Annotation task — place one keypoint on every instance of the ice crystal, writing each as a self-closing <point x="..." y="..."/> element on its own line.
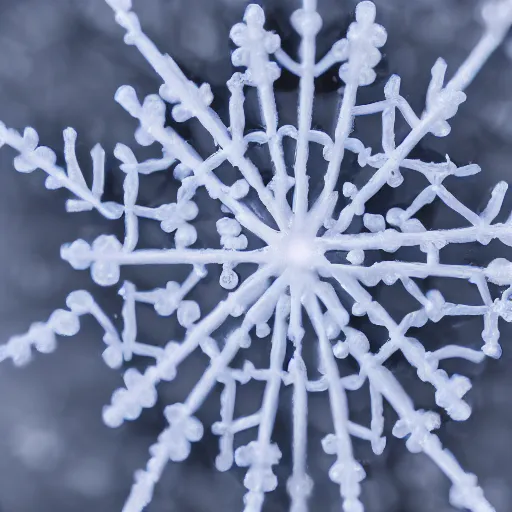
<point x="296" y="286"/>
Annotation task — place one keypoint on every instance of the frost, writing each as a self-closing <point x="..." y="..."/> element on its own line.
<point x="295" y="287"/>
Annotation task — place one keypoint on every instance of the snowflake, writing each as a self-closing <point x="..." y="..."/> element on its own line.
<point x="295" y="287"/>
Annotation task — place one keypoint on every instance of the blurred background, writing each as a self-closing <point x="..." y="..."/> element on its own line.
<point x="61" y="62"/>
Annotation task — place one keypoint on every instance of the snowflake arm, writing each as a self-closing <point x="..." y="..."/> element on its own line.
<point x="390" y="240"/>
<point x="151" y="115"/>
<point x="129" y="403"/>
<point x="346" y="471"/>
<point x="364" y="37"/>
<point x="417" y="427"/>
<point x="442" y="104"/>
<point x="497" y="17"/>
<point x="192" y="101"/>
<point x="300" y="483"/>
<point x="31" y="157"/>
<point x="105" y="256"/>
<point x="307" y="23"/>
<point x="254" y="46"/>
<point x="260" y="455"/>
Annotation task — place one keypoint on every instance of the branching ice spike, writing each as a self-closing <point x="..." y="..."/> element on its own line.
<point x="364" y="37"/>
<point x="259" y="456"/>
<point x="194" y="102"/>
<point x="296" y="285"/>
<point x="31" y="157"/>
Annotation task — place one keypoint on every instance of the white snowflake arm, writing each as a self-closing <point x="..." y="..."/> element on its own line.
<point x="300" y="483"/>
<point x="254" y="46"/>
<point x="259" y="456"/>
<point x="184" y="428"/>
<point x="497" y="18"/>
<point x="151" y="115"/>
<point x="41" y="336"/>
<point x="442" y="104"/>
<point x="417" y="427"/>
<point x="346" y="471"/>
<point x="307" y="23"/>
<point x="364" y="37"/>
<point x="31" y="157"/>
<point x="105" y="256"/>
<point x="390" y="240"/>
<point x="140" y="392"/>
<point x="193" y="101"/>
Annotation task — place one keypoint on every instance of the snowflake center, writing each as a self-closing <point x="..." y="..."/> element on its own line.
<point x="297" y="251"/>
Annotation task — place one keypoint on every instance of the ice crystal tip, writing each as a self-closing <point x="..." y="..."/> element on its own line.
<point x="292" y="276"/>
<point x="122" y="5"/>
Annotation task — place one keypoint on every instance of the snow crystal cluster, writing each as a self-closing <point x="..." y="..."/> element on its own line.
<point x="295" y="288"/>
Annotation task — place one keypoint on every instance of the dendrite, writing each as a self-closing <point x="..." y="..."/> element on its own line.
<point x="296" y="286"/>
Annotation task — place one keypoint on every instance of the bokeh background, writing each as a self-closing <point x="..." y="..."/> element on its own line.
<point x="61" y="62"/>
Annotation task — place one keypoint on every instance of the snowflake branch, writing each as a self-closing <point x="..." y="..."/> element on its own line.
<point x="364" y="37"/>
<point x="167" y="300"/>
<point x="225" y="428"/>
<point x="151" y="115"/>
<point x="193" y="102"/>
<point x="454" y="351"/>
<point x="31" y="157"/>
<point x="105" y="256"/>
<point x="336" y="54"/>
<point x="435" y="308"/>
<point x="333" y="56"/>
<point x="307" y="23"/>
<point x="497" y="16"/>
<point x="417" y="425"/>
<point x="390" y="239"/>
<point x="300" y="484"/>
<point x="442" y="104"/>
<point x="295" y="329"/>
<point x="346" y="471"/>
<point x="41" y="336"/>
<point x="287" y="62"/>
<point x="377" y="422"/>
<point x="184" y="428"/>
<point x="392" y="270"/>
<point x="132" y="168"/>
<point x="128" y="403"/>
<point x="260" y="455"/>
<point x="254" y="46"/>
<point x="228" y="426"/>
<point x="449" y="391"/>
